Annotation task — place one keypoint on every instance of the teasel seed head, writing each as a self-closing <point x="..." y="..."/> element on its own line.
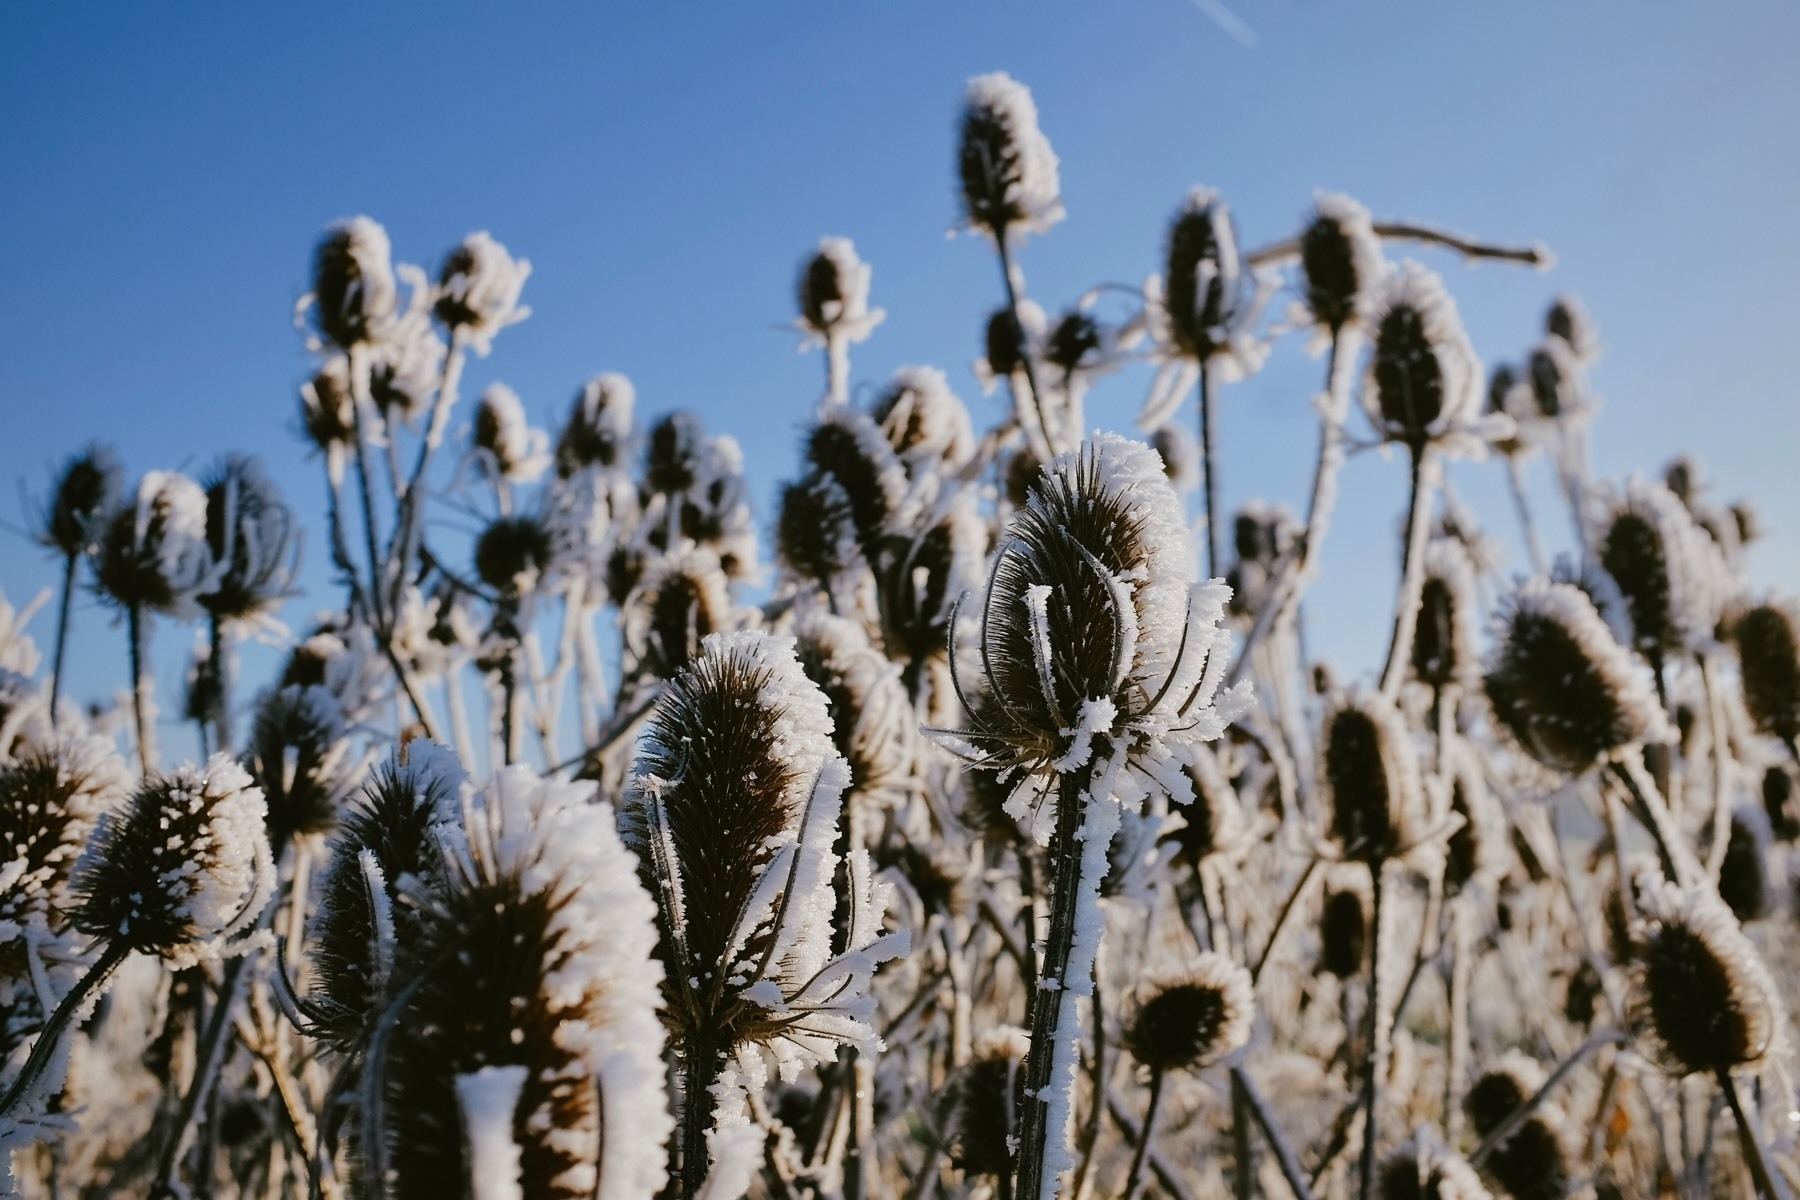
<point x="253" y="541"/>
<point x="1568" y="319"/>
<point x="1768" y="645"/>
<point x="1779" y="803"/>
<point x="180" y="867"/>
<point x="833" y="293"/>
<point x="675" y="453"/>
<point x="478" y="290"/>
<point x="1344" y="922"/>
<point x="1369" y="776"/>
<point x="1214" y="823"/>
<point x="925" y="422"/>
<point x="353" y="295"/>
<point x="1077" y="342"/>
<point x="1744" y="882"/>
<point x="1423" y="378"/>
<point x="298" y="756"/>
<point x="849" y="447"/>
<point x="1004" y="162"/>
<point x="1425" y="1171"/>
<point x="385" y="861"/>
<point x="328" y="414"/>
<point x="816" y="539"/>
<point x="1008" y="344"/>
<point x="1206" y="290"/>
<point x="1340" y="260"/>
<point x="85" y="489"/>
<point x="1192" y="1019"/>
<point x="504" y="441"/>
<point x="1443" y="650"/>
<point x="50" y="797"/>
<point x="871" y="717"/>
<point x="598" y="430"/>
<point x="682" y="600"/>
<point x="1667" y="573"/>
<point x="1562" y="685"/>
<point x="1175" y="446"/>
<point x="1476" y="849"/>
<point x="531" y="966"/>
<point x="922" y="575"/>
<point x="513" y="555"/>
<point x="978" y="1109"/>
<point x="152" y="552"/>
<point x="1701" y="996"/>
<point x="1581" y="999"/>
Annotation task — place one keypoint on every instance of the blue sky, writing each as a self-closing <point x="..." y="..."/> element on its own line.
<point x="664" y="167"/>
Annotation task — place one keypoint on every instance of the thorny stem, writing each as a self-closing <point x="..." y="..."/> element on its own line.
<point x="1134" y="1177"/>
<point x="63" y="604"/>
<point x="136" y="632"/>
<point x="1243" y="1160"/>
<point x="1406" y="612"/>
<point x="1755" y="1156"/>
<point x="1209" y="461"/>
<point x="1090" y="1134"/>
<point x="1371" y="1084"/>
<point x="699" y="1068"/>
<point x="221" y="681"/>
<point x="49" y="1038"/>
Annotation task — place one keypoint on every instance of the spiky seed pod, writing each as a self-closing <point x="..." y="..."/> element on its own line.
<point x="1476" y="849"/>
<point x="1567" y="319"/>
<point x="1669" y="577"/>
<point x="850" y="447"/>
<point x="598" y="429"/>
<point x="181" y="867"/>
<point x="384" y="860"/>
<point x="1581" y="999"/>
<point x="815" y="534"/>
<point x="1502" y="389"/>
<point x="327" y="412"/>
<point x="1205" y="289"/>
<point x="1423" y="1171"/>
<point x="1077" y="342"/>
<point x="505" y="442"/>
<point x="833" y="293"/>
<point x="675" y="458"/>
<point x="1175" y="446"/>
<point x="50" y="798"/>
<point x="478" y="290"/>
<point x="1022" y="470"/>
<point x="1701" y="996"/>
<point x="1340" y="260"/>
<point x="977" y="1111"/>
<point x="1261" y="534"/>
<point x="1778" y="803"/>
<point x="353" y="295"/>
<point x="1744" y="882"/>
<point x="86" y="488"/>
<point x="1532" y="1163"/>
<point x="251" y="535"/>
<point x="514" y="554"/>
<point x="1768" y="645"/>
<point x="1369" y="774"/>
<point x="871" y="717"/>
<point x="1214" y="825"/>
<point x="533" y="962"/>
<point x="1684" y="479"/>
<point x="297" y="756"/>
<point x="1004" y="162"/>
<point x="1192" y="1019"/>
<point x="923" y="420"/>
<point x="681" y="601"/>
<point x="1005" y="345"/>
<point x="1344" y="923"/>
<point x="1443" y="650"/>
<point x="152" y="553"/>
<point x="923" y="574"/>
<point x="1423" y="378"/>
<point x="1562" y="685"/>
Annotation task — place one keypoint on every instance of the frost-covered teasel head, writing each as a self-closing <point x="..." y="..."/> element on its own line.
<point x="1426" y="1170"/>
<point x="85" y="489"/>
<point x="1004" y="163"/>
<point x="833" y="294"/>
<point x="815" y="539"/>
<point x="505" y="443"/>
<point x="734" y="812"/>
<point x="978" y="1109"/>
<point x="341" y="656"/>
<point x="1375" y="800"/>
<point x="1567" y="319"/>
<point x="871" y="716"/>
<point x="1744" y="882"/>
<point x="1533" y="1160"/>
<point x="385" y="858"/>
<point x="1561" y="684"/>
<point x="406" y="367"/>
<point x="1767" y="637"/>
<point x="1701" y="997"/>
<point x="923" y="574"/>
<point x="1180" y="459"/>
<point x="180" y="867"/>
<point x="354" y="296"/>
<point x="1214" y="825"/>
<point x="681" y="601"/>
<point x="514" y="555"/>
<point x="598" y="430"/>
<point x="1341" y="265"/>
<point x="50" y="798"/>
<point x="1008" y="344"/>
<point x="1475" y="851"/>
<point x="923" y="420"/>
<point x="850" y="447"/>
<point x="1207" y="299"/>
<point x="1443" y="650"/>
<point x="478" y="290"/>
<point x="529" y="1021"/>
<point x="254" y="544"/>
<point x="298" y="756"/>
<point x="153" y="553"/>
<point x="1194" y="1018"/>
<point x="1423" y="380"/>
<point x="1344" y="920"/>
<point x="1078" y="344"/>
<point x="328" y="414"/>
<point x="1093" y="637"/>
<point x="1671" y="577"/>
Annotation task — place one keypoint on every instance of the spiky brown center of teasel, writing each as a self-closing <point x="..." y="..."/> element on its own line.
<point x="295" y="755"/>
<point x="1531" y="1164"/>
<point x="49" y="799"/>
<point x="1640" y="545"/>
<point x="1372" y="782"/>
<point x="681" y="602"/>
<point x="88" y="485"/>
<point x="978" y="1112"/>
<point x="1328" y="265"/>
<point x="1769" y="651"/>
<point x="1194" y="1020"/>
<point x="1203" y="287"/>
<point x="1701" y="995"/>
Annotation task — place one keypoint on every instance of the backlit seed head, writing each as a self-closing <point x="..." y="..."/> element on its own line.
<point x="1344" y="922"/>
<point x="1768" y="645"/>
<point x="353" y="295"/>
<point x="1340" y="260"/>
<point x="86" y="488"/>
<point x="1192" y="1019"/>
<point x="504" y="442"/>
<point x="978" y="1109"/>
<point x="1443" y="650"/>
<point x="598" y="429"/>
<point x="923" y="420"/>
<point x="253" y="541"/>
<point x="1206" y="289"/>
<point x="1422" y="379"/>
<point x="50" y="798"/>
<point x="1744" y="882"/>
<point x="297" y="756"/>
<point x="478" y="290"/>
<point x="681" y="601"/>
<point x="833" y="292"/>
<point x="515" y="554"/>
<point x="1369" y="776"/>
<point x="1004" y="162"/>
<point x="1668" y="573"/>
<point x="1568" y="320"/>
<point x="871" y="717"/>
<point x="152" y="552"/>
<point x="1425" y="1171"/>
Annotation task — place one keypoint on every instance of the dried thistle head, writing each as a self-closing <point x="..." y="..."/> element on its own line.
<point x="1424" y="1170"/>
<point x="1206" y="290"/>
<point x="50" y="797"/>
<point x="152" y="553"/>
<point x="598" y="429"/>
<point x="513" y="555"/>
<point x="1340" y="260"/>
<point x="675" y="453"/>
<point x="1192" y="1019"/>
<point x="1004" y="162"/>
<point x="504" y="442"/>
<point x="86" y="488"/>
<point x="833" y="293"/>
<point x="1562" y="685"/>
<point x="923" y="420"/>
<point x="1701" y="997"/>
<point x="871" y="716"/>
<point x="923" y="572"/>
<point x="353" y="294"/>
<point x="1344" y="922"/>
<point x="531" y="967"/>
<point x="1779" y="804"/>
<point x="297" y="756"/>
<point x="849" y="447"/>
<point x="1443" y="650"/>
<point x="251" y="535"/>
<point x="1422" y="379"/>
<point x="1369" y="779"/>
<point x="1744" y="883"/>
<point x="180" y="867"/>
<point x="478" y="290"/>
<point x="1475" y="852"/>
<point x="682" y="599"/>
<point x="1767" y="637"/>
<point x="1567" y="319"/>
<point x="1669" y="576"/>
<point x="978" y="1109"/>
<point x="1214" y="823"/>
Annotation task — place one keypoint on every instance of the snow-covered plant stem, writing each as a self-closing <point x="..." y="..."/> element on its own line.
<point x="64" y="602"/>
<point x="49" y="1038"/>
<point x="1373" y="1038"/>
<point x="1209" y="467"/>
<point x="1425" y="468"/>
<point x="137" y="634"/>
<point x="1025" y="353"/>
<point x="359" y="404"/>
<point x="218" y="665"/>
<point x="1770" y="1185"/>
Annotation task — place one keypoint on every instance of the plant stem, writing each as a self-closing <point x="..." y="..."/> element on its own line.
<point x="1531" y="256"/>
<point x="221" y="678"/>
<point x="1242" y="1159"/>
<point x="699" y="1069"/>
<point x="1755" y="1156"/>
<point x="1412" y="555"/>
<point x="1281" y="918"/>
<point x="1371" y="1087"/>
<point x="1012" y="305"/>
<point x="137" y="633"/>
<point x="1284" y="1154"/>
<point x="1209" y="463"/>
<point x="49" y="1038"/>
<point x="1134" y="1177"/>
<point x="1515" y="481"/>
<point x="63" y="605"/>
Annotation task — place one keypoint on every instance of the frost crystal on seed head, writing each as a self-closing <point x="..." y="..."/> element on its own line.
<point x="354" y="295"/>
<point x="1423" y="381"/>
<point x="834" y="294"/>
<point x="1004" y="162"/>
<point x="478" y="290"/>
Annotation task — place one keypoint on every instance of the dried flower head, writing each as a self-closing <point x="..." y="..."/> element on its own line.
<point x="181" y="867"/>
<point x="1078" y="343"/>
<point x="513" y="555"/>
<point x="328" y="413"/>
<point x="923" y="574"/>
<point x="598" y="430"/>
<point x="1768" y="645"/>
<point x="152" y="552"/>
<point x="1192" y="1019"/>
<point x="1369" y="777"/>
<point x="478" y="290"/>
<point x="1180" y="458"/>
<point x="1778" y="802"/>
<point x="1214" y="825"/>
<point x="1422" y="1170"/>
<point x="871" y="716"/>
<point x="1207" y="292"/>
<point x="1423" y="380"/>
<point x="1701" y="996"/>
<point x="353" y="296"/>
<point x="1008" y="343"/>
<point x="681" y="601"/>
<point x="850" y="447"/>
<point x="1533" y="1162"/>
<point x="86" y="488"/>
<point x="1004" y="162"/>
<point x="1744" y="882"/>
<point x="1567" y="319"/>
<point x="50" y="798"/>
<point x="1476" y="849"/>
<point x="1344" y="922"/>
<point x="1340" y="261"/>
<point x="815" y="538"/>
<point x="297" y="756"/>
<point x="923" y="420"/>
<point x="1668" y="575"/>
<point x="528" y="1034"/>
<point x="1443" y="650"/>
<point x="833" y="293"/>
<point x="978" y="1109"/>
<point x="504" y="441"/>
<point x="251" y="535"/>
<point x="1562" y="685"/>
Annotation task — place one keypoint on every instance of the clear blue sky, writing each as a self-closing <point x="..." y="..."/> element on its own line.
<point x="168" y="167"/>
